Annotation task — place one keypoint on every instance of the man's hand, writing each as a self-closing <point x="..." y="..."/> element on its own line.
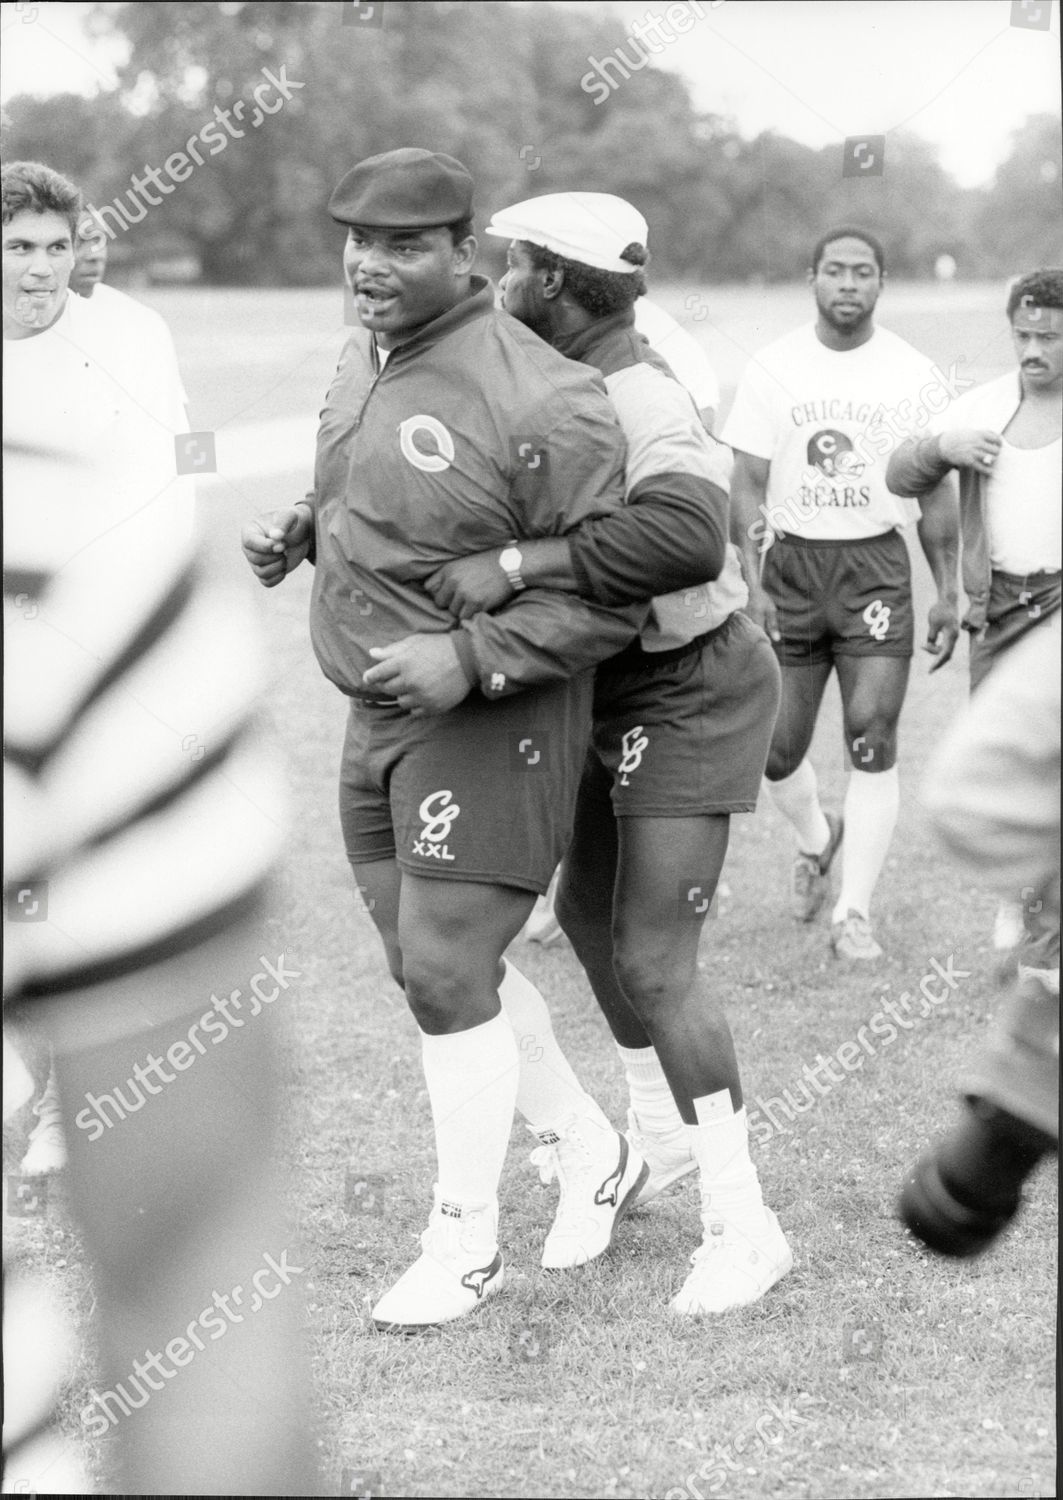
<point x="468" y="585"/>
<point x="277" y="542"/>
<point x="970" y="448"/>
<point x="761" y="610"/>
<point x="424" y="672"/>
<point x="943" y="629"/>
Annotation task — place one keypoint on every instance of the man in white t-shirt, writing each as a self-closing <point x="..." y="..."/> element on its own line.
<point x="94" y="380"/>
<point x="814" y="416"/>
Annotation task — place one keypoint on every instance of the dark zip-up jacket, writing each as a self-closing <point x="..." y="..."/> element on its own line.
<point x="472" y="434"/>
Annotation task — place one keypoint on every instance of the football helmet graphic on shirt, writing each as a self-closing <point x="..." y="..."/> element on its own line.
<point x="831" y="452"/>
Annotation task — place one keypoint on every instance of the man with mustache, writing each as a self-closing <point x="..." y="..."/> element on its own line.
<point x="1004" y="439"/>
<point x="813" y="417"/>
<point x="452" y="431"/>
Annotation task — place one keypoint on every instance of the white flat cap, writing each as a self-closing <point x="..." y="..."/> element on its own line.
<point x="592" y="228"/>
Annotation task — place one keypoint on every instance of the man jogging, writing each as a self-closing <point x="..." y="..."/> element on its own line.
<point x="812" y="418"/>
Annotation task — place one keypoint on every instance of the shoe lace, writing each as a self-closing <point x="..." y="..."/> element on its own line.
<point x="545" y="1158"/>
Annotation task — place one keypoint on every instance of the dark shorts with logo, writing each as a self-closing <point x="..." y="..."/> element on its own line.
<point x="485" y="793"/>
<point x="685" y="733"/>
<point x="841" y="598"/>
<point x="1016" y="605"/>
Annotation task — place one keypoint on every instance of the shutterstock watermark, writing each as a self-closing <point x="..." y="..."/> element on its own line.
<point x="753" y="1439"/>
<point x="179" y="165"/>
<point x="837" y="464"/>
<point x="650" y="35"/>
<point x="99" y="1414"/>
<point x="151" y="1076"/>
<point x="880" y="1032"/>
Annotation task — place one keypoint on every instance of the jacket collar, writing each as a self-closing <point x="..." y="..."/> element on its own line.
<point x="584" y="345"/>
<point x="478" y="304"/>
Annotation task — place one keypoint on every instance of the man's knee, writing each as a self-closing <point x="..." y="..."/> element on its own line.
<point x="652" y="975"/>
<point x="872" y="741"/>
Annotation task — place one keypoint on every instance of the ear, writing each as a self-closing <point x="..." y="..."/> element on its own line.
<point x="810" y="275"/>
<point x="465" y="255"/>
<point x="553" y="283"/>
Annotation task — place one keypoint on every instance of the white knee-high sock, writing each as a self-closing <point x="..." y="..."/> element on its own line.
<point x="872" y="801"/>
<point x="649" y="1090"/>
<point x="549" y="1093"/>
<point x="730" y="1187"/>
<point x="797" y="797"/>
<point x="472" y="1087"/>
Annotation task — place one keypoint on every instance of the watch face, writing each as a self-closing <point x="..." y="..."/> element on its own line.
<point x="511" y="558"/>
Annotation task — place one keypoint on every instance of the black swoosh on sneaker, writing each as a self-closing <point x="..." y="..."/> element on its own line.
<point x="610" y="1188"/>
<point x="477" y="1280"/>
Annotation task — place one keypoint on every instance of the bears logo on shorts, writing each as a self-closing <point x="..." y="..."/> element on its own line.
<point x="437" y="812"/>
<point x="877" y="616"/>
<point x="632" y="743"/>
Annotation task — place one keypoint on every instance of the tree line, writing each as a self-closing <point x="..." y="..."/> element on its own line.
<point x="231" y="123"/>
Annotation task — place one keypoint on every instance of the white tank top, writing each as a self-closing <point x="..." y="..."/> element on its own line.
<point x="1024" y="508"/>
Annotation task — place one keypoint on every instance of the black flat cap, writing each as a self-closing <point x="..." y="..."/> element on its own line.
<point x="405" y="189"/>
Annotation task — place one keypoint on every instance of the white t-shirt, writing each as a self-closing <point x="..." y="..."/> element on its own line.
<point x="688" y="360"/>
<point x="99" y="393"/>
<point x="819" y="416"/>
<point x="1023" y="512"/>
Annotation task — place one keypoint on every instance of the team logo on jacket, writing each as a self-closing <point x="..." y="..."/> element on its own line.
<point x="832" y="454"/>
<point x="632" y="745"/>
<point x="437" y="812"/>
<point x="435" y="436"/>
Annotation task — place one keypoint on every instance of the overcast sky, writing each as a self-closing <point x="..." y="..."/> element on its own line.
<point x="955" y="71"/>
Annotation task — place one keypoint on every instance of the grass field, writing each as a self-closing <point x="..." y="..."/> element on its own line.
<point x="894" y="1374"/>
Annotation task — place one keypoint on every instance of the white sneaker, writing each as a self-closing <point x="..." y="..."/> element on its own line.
<point x="667" y="1154"/>
<point x="599" y="1175"/>
<point x="459" y="1267"/>
<point x="47" y="1145"/>
<point x="732" y="1268"/>
<point x="542" y="926"/>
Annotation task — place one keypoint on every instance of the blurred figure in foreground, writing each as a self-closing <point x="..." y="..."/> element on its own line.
<point x="994" y="795"/>
<point x="142" y="829"/>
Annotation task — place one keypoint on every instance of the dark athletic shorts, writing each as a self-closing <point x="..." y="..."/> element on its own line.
<point x="841" y="598"/>
<point x="1016" y="605"/>
<point x="486" y="792"/>
<point x="685" y="733"/>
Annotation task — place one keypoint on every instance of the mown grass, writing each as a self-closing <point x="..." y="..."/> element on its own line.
<point x="908" y="1375"/>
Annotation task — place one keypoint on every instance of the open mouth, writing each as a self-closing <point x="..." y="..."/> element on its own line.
<point x="373" y="299"/>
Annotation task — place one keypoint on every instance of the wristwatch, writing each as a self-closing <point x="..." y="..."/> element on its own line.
<point x="510" y="560"/>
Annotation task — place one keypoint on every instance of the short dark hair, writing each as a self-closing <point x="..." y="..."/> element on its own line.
<point x="847" y="232"/>
<point x="1043" y="288"/>
<point x="600" y="293"/>
<point x="30" y="185"/>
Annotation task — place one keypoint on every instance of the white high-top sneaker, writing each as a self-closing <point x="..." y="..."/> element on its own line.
<point x="460" y="1265"/>
<point x="733" y="1266"/>
<point x="668" y="1156"/>
<point x="599" y="1175"/>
